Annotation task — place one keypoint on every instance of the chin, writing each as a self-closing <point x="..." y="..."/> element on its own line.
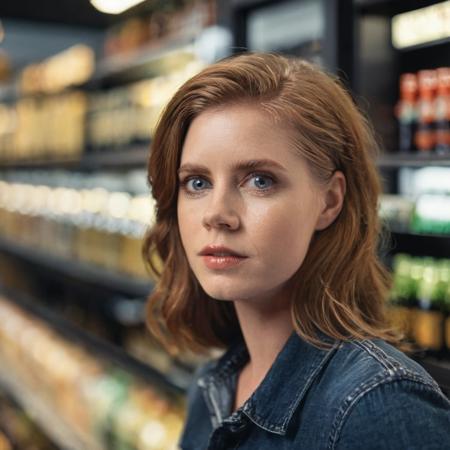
<point x="227" y="291"/>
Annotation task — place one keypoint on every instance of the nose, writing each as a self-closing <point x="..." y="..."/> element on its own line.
<point x="221" y="212"/>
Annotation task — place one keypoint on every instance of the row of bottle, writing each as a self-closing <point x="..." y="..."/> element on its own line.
<point x="176" y="21"/>
<point x="70" y="67"/>
<point x="18" y="430"/>
<point x="423" y="111"/>
<point x="106" y="406"/>
<point x="419" y="302"/>
<point x="90" y="225"/>
<point x="127" y="115"/>
<point x="62" y="126"/>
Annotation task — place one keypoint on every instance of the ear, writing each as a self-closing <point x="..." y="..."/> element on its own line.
<point x="333" y="199"/>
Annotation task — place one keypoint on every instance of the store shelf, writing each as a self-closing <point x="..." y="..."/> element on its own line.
<point x="150" y="61"/>
<point x="53" y="425"/>
<point x="416" y="244"/>
<point x="397" y="160"/>
<point x="8" y="92"/>
<point x="175" y="383"/>
<point x="86" y="273"/>
<point x="127" y="158"/>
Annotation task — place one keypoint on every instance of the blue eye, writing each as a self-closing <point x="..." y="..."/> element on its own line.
<point x="262" y="182"/>
<point x="196" y="184"/>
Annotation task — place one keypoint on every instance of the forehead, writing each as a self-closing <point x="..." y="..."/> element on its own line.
<point x="235" y="132"/>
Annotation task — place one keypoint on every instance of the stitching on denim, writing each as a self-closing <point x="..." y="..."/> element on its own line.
<point x="214" y="421"/>
<point x="395" y="365"/>
<point x="256" y="419"/>
<point x="365" y="388"/>
<point x="368" y="349"/>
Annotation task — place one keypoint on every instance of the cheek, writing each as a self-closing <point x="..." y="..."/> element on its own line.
<point x="284" y="233"/>
<point x="189" y="223"/>
<point x="184" y="222"/>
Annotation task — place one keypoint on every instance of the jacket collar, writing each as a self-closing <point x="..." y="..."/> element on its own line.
<point x="274" y="402"/>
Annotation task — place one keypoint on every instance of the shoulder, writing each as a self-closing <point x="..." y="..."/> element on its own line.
<point x="365" y="361"/>
<point x="388" y="400"/>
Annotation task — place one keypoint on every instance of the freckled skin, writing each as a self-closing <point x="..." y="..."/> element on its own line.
<point x="273" y="227"/>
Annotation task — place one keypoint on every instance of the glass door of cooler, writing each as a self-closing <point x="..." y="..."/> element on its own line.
<point x="292" y="27"/>
<point x="320" y="31"/>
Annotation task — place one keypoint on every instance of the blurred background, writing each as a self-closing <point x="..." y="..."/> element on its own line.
<point x="82" y="84"/>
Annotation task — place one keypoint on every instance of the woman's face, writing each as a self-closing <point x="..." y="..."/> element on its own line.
<point x="243" y="187"/>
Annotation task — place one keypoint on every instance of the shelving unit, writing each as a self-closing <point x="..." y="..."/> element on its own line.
<point x="421" y="244"/>
<point x="60" y="432"/>
<point x="94" y="308"/>
<point x="350" y="31"/>
<point x="127" y="158"/>
<point x="147" y="61"/>
<point x="377" y="69"/>
<point x="177" y="383"/>
<point x="82" y="272"/>
<point x="399" y="160"/>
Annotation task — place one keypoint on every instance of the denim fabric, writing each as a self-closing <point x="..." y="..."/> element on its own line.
<point x="357" y="395"/>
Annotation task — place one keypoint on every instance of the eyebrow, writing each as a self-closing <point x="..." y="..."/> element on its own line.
<point x="251" y="164"/>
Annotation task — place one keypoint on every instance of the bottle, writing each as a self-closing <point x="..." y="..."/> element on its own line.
<point x="429" y="317"/>
<point x="442" y="108"/>
<point x="446" y="309"/>
<point x="425" y="136"/>
<point x="399" y="302"/>
<point x="406" y="111"/>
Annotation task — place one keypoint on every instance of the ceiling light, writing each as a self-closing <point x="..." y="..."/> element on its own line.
<point x="421" y="26"/>
<point x="114" y="6"/>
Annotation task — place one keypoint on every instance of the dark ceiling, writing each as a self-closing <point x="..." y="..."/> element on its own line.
<point x="68" y="12"/>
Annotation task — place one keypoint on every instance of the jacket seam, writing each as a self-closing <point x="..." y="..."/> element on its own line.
<point x="378" y="355"/>
<point x="364" y="389"/>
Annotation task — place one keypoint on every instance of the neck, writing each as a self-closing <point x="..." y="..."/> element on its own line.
<point x="265" y="329"/>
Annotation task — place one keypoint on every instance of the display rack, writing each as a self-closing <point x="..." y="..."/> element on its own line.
<point x="149" y="61"/>
<point x="54" y="426"/>
<point x="128" y="158"/>
<point x="378" y="66"/>
<point x="346" y="48"/>
<point x="83" y="272"/>
<point x="399" y="160"/>
<point x="418" y="244"/>
<point x="176" y="383"/>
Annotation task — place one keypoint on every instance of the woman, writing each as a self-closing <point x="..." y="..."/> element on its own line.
<point x="266" y="192"/>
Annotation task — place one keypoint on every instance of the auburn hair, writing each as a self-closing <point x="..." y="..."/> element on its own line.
<point x="341" y="287"/>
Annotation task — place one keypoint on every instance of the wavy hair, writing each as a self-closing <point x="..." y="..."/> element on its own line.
<point x="341" y="288"/>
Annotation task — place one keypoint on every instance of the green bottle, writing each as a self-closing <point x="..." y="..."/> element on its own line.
<point x="429" y="317"/>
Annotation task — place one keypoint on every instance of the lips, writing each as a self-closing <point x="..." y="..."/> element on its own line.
<point x="220" y="251"/>
<point x="218" y="257"/>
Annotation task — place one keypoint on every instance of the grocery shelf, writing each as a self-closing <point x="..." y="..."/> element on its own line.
<point x="8" y="92"/>
<point x="397" y="160"/>
<point x="87" y="273"/>
<point x="417" y="244"/>
<point x="175" y="383"/>
<point x="148" y="61"/>
<point x="53" y="425"/>
<point x="125" y="158"/>
<point x="151" y="61"/>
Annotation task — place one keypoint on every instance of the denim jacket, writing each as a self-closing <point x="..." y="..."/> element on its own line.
<point x="360" y="394"/>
